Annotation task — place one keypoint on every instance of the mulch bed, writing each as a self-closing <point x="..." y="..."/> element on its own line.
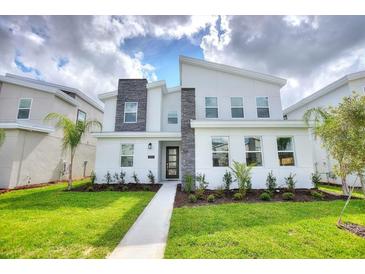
<point x="117" y="187"/>
<point x="301" y="195"/>
<point x="359" y="230"/>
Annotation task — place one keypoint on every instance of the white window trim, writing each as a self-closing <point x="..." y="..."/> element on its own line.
<point x="128" y="155"/>
<point x="30" y="108"/>
<point x="205" y="104"/>
<point x="262" y="149"/>
<point x="223" y="151"/>
<point x="168" y="116"/>
<point x="277" y="151"/>
<point x="136" y="112"/>
<point x="78" y="111"/>
<point x="268" y="106"/>
<point x="243" y="107"/>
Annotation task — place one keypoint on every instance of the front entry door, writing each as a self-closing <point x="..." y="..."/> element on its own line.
<point x="172" y="162"/>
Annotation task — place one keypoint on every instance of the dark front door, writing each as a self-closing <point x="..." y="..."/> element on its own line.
<point x="172" y="162"/>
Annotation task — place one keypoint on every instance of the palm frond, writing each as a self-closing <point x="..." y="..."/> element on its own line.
<point x="317" y="115"/>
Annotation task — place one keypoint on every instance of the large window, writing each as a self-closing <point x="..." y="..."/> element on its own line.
<point x="25" y="105"/>
<point x="130" y="112"/>
<point x="172" y="117"/>
<point x="127" y="152"/>
<point x="285" y="151"/>
<point x="81" y="116"/>
<point x="211" y="107"/>
<point x="237" y="107"/>
<point x="253" y="151"/>
<point x="262" y="105"/>
<point x="220" y="151"/>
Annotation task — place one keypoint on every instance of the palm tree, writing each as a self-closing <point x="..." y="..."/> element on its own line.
<point x="72" y="135"/>
<point x="2" y="136"/>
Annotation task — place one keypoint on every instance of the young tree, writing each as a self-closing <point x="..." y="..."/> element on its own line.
<point x="2" y="136"/>
<point x="72" y="135"/>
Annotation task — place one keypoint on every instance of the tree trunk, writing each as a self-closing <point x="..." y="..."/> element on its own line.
<point x="362" y="182"/>
<point x="70" y="171"/>
<point x="346" y="204"/>
<point x="345" y="188"/>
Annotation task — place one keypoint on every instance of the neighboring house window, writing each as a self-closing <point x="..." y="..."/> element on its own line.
<point x="127" y="152"/>
<point x="130" y="112"/>
<point x="172" y="117"/>
<point x="253" y="151"/>
<point x="262" y="105"/>
<point x="25" y="105"/>
<point x="285" y="151"/>
<point x="211" y="107"/>
<point x="81" y="115"/>
<point x="220" y="151"/>
<point x="237" y="107"/>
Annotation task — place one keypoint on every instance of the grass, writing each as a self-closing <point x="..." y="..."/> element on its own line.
<point x="51" y="223"/>
<point x="338" y="190"/>
<point x="265" y="230"/>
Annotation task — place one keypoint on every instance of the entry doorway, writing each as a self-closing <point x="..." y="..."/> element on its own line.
<point x="172" y="162"/>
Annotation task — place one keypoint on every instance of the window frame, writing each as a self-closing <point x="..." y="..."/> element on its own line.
<point x="125" y="112"/>
<point x="268" y="107"/>
<point x="168" y="116"/>
<point x="212" y="151"/>
<point x="126" y="155"/>
<point x="293" y="151"/>
<point x="19" y="108"/>
<point x="254" y="151"/>
<point x="243" y="108"/>
<point x="77" y="117"/>
<point x="205" y="107"/>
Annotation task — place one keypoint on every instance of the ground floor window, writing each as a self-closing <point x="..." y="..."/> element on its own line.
<point x="253" y="151"/>
<point x="285" y="151"/>
<point x="220" y="151"/>
<point x="127" y="152"/>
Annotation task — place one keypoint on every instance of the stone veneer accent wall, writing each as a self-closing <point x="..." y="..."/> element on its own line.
<point x="131" y="90"/>
<point x="187" y="133"/>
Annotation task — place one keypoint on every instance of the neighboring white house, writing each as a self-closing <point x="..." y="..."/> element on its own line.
<point x="217" y="115"/>
<point x="32" y="150"/>
<point x="330" y="95"/>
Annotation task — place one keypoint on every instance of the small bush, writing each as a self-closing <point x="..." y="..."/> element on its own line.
<point x="92" y="177"/>
<point x="121" y="177"/>
<point x="110" y="188"/>
<point x="237" y="196"/>
<point x="290" y="182"/>
<point x="108" y="177"/>
<point x="317" y="195"/>
<point x="146" y="188"/>
<point x="124" y="188"/>
<point x="265" y="196"/>
<point x="227" y="179"/>
<point x="220" y="192"/>
<point x="192" y="198"/>
<point x="135" y="178"/>
<point x="188" y="183"/>
<point x="271" y="182"/>
<point x="242" y="174"/>
<point x="116" y="177"/>
<point x="199" y="193"/>
<point x="202" y="183"/>
<point x="316" y="179"/>
<point x="89" y="189"/>
<point x="151" y="177"/>
<point x="211" y="198"/>
<point x="288" y="196"/>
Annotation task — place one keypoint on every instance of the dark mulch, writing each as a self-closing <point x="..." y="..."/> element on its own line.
<point x="301" y="195"/>
<point x="359" y="230"/>
<point x="117" y="187"/>
<point x="4" y="190"/>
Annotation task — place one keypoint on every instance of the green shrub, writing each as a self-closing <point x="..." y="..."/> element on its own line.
<point x="317" y="195"/>
<point x="237" y="196"/>
<point x="288" y="196"/>
<point x="188" y="183"/>
<point x="316" y="179"/>
<point x="108" y="177"/>
<point x="242" y="174"/>
<point x="265" y="196"/>
<point x="227" y="179"/>
<point x="121" y="177"/>
<point x="90" y="189"/>
<point x="92" y="177"/>
<point x="124" y="188"/>
<point x="192" y="198"/>
<point x="202" y="183"/>
<point x="116" y="177"/>
<point x="211" y="198"/>
<point x="271" y="182"/>
<point x="110" y="188"/>
<point x="199" y="193"/>
<point x="290" y="182"/>
<point x="151" y="177"/>
<point x="146" y="188"/>
<point x="135" y="178"/>
<point x="219" y="192"/>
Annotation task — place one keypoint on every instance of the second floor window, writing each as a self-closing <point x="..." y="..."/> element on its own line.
<point x="220" y="151"/>
<point x="253" y="151"/>
<point x="81" y="115"/>
<point x="262" y="105"/>
<point x="172" y="117"/>
<point x="130" y="112"/>
<point x="25" y="105"/>
<point x="237" y="107"/>
<point x="285" y="151"/>
<point x="127" y="152"/>
<point x="211" y="107"/>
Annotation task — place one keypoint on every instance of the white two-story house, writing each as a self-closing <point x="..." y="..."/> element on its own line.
<point x="218" y="114"/>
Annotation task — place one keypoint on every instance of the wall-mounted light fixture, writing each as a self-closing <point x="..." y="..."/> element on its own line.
<point x="150" y="146"/>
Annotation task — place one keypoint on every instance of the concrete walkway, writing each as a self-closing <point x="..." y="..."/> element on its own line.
<point x="146" y="239"/>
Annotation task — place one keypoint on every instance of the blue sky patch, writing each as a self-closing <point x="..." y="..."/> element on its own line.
<point x="63" y="61"/>
<point x="24" y="68"/>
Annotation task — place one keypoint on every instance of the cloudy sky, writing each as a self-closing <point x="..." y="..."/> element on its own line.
<point x="92" y="53"/>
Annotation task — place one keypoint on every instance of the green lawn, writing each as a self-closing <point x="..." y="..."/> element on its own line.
<point x="265" y="230"/>
<point x="338" y="190"/>
<point x="51" y="223"/>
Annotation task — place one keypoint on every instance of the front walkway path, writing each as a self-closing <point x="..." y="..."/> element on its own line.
<point x="146" y="239"/>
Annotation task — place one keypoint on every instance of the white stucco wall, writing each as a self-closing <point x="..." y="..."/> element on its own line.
<point x="154" y="106"/>
<point x="110" y="108"/>
<point x="171" y="102"/>
<point x="211" y="83"/>
<point x="303" y="156"/>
